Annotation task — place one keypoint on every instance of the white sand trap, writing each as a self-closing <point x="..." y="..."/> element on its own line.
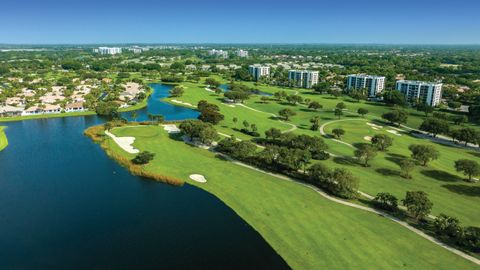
<point x="124" y="142"/>
<point x="367" y="138"/>
<point x="375" y="128"/>
<point x="374" y="125"/>
<point x="198" y="177"/>
<point x="171" y="128"/>
<point x="209" y="90"/>
<point x="394" y="132"/>
<point x="183" y="103"/>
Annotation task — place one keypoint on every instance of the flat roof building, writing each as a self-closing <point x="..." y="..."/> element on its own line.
<point x="242" y="53"/>
<point x="428" y="93"/>
<point x="257" y="71"/>
<point x="108" y="50"/>
<point x="373" y="84"/>
<point x="303" y="78"/>
<point x="220" y="53"/>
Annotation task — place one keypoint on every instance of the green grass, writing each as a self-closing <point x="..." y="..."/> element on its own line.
<point x="43" y="116"/>
<point x="450" y="194"/>
<point x="448" y="190"/>
<point x="307" y="230"/>
<point x="3" y="139"/>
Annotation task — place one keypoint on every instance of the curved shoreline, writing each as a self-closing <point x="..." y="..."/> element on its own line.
<point x="3" y="139"/>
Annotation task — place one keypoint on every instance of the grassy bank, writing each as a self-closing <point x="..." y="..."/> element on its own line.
<point x="3" y="139"/>
<point x="45" y="116"/>
<point x="308" y="231"/>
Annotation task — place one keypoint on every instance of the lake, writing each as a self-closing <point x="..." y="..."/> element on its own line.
<point x="65" y="205"/>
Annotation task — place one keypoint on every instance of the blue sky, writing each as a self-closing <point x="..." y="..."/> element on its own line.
<point x="244" y="21"/>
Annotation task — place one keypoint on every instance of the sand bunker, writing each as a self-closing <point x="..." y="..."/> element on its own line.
<point x="124" y="142"/>
<point x="374" y="125"/>
<point x="183" y="103"/>
<point x="367" y="138"/>
<point x="198" y="178"/>
<point x="171" y="128"/>
<point x="209" y="90"/>
<point x="394" y="132"/>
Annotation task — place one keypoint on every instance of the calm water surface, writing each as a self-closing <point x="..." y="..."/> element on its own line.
<point x="65" y="205"/>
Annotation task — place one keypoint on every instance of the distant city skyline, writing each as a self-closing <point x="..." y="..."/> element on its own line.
<point x="213" y="21"/>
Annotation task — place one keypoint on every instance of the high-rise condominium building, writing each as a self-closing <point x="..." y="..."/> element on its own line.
<point x="373" y="84"/>
<point x="303" y="78"/>
<point x="258" y="71"/>
<point x="423" y="92"/>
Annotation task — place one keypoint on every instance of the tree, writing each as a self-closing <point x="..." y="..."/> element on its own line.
<point x="468" y="135"/>
<point x="406" y="166"/>
<point x="294" y="99"/>
<point x="264" y="99"/>
<point x="338" y="113"/>
<point x="209" y="112"/>
<point x="319" y="174"/>
<point x="396" y="116"/>
<point x="286" y="113"/>
<point x="459" y="119"/>
<point x="158" y="118"/>
<point x="315" y="123"/>
<point x="108" y="108"/>
<point x="134" y="115"/>
<point x="470" y="168"/>
<point x="474" y="111"/>
<point x="314" y="105"/>
<point x="394" y="97"/>
<point x="423" y="153"/>
<point x="235" y="120"/>
<point x="435" y="126"/>
<point x="386" y="201"/>
<point x="338" y="132"/>
<point x="454" y="105"/>
<point x="218" y="91"/>
<point x="243" y="150"/>
<point x="273" y="133"/>
<point x="237" y="96"/>
<point x="418" y="204"/>
<point x="344" y="184"/>
<point x="143" y="157"/>
<point x="246" y="124"/>
<point x="212" y="83"/>
<point x="381" y="141"/>
<point x="425" y="108"/>
<point x="447" y="226"/>
<point x="365" y="153"/>
<point x="362" y="111"/>
<point x="341" y="106"/>
<point x="198" y="130"/>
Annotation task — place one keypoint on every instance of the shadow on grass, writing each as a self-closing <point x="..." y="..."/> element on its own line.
<point x="345" y="161"/>
<point x="360" y="144"/>
<point x="441" y="175"/>
<point x="387" y="172"/>
<point x="477" y="154"/>
<point x="473" y="191"/>
<point x="395" y="158"/>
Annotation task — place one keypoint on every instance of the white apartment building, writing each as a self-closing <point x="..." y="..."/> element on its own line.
<point x="303" y="78"/>
<point x="258" y="71"/>
<point x="220" y="53"/>
<point x="373" y="84"/>
<point x="109" y="50"/>
<point x="424" y="92"/>
<point x="242" y="53"/>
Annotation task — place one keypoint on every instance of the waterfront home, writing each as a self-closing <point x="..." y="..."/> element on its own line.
<point x="34" y="110"/>
<point x="52" y="109"/>
<point x="74" y="107"/>
<point x="14" y="101"/>
<point x="8" y="111"/>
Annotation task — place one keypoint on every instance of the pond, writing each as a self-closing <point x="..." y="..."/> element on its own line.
<point x="65" y="205"/>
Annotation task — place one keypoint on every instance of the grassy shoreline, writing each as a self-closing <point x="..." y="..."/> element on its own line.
<point x="3" y="138"/>
<point x="308" y="231"/>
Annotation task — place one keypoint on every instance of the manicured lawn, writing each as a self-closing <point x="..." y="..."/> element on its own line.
<point x="448" y="190"/>
<point x="308" y="231"/>
<point x="450" y="194"/>
<point x="3" y="139"/>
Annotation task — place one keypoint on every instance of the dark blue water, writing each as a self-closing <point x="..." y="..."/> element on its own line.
<point x="65" y="205"/>
<point x="225" y="88"/>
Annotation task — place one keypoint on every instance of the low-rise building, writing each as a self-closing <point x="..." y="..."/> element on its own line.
<point x="428" y="93"/>
<point x="242" y="53"/>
